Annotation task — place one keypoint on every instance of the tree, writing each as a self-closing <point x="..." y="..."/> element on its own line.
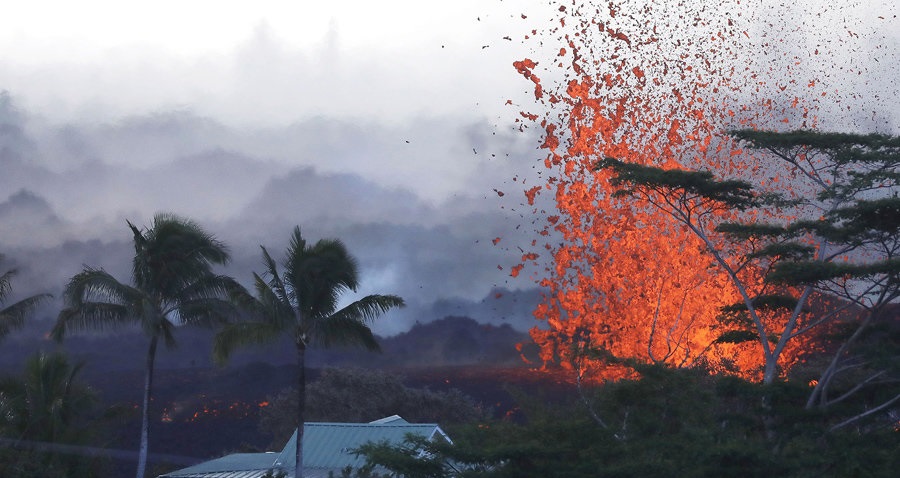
<point x="303" y="302"/>
<point x="172" y="285"/>
<point x="47" y="405"/>
<point x="833" y="229"/>
<point x="699" y="201"/>
<point x="415" y="457"/>
<point x="363" y="395"/>
<point x="858" y="260"/>
<point x="670" y="422"/>
<point x="13" y="316"/>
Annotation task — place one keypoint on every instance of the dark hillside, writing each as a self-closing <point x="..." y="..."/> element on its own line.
<point x="204" y="411"/>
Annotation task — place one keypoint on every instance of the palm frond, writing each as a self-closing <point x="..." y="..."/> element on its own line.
<point x="320" y="274"/>
<point x="206" y="312"/>
<point x="174" y="253"/>
<point x="266" y="306"/>
<point x="305" y="298"/>
<point x="94" y="316"/>
<point x="210" y="286"/>
<point x="13" y="316"/>
<point x="240" y="298"/>
<point x="369" y="308"/>
<point x="6" y="282"/>
<point x="348" y="326"/>
<point x="271" y="307"/>
<point x="296" y="248"/>
<point x="97" y="285"/>
<point x="240" y="334"/>
<point x="274" y="280"/>
<point x="345" y="331"/>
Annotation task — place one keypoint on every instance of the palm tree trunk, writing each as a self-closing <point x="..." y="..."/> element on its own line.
<point x="301" y="407"/>
<point x="145" y="418"/>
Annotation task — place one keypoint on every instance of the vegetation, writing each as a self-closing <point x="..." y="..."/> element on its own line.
<point x="13" y="316"/>
<point x="44" y="407"/>
<point x="303" y="302"/>
<point x="670" y="422"/>
<point x="172" y="285"/>
<point x="357" y="395"/>
<point x="839" y="235"/>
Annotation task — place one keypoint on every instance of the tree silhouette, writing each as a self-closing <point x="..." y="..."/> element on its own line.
<point x="172" y="285"/>
<point x="302" y="301"/>
<point x="46" y="405"/>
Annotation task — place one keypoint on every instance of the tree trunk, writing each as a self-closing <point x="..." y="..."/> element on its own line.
<point x="817" y="396"/>
<point x="301" y="407"/>
<point x="145" y="418"/>
<point x="770" y="372"/>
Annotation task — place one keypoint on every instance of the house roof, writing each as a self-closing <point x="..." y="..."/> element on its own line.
<point x="326" y="447"/>
<point x="238" y="465"/>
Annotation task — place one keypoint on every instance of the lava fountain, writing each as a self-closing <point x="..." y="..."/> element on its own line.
<point x="655" y="83"/>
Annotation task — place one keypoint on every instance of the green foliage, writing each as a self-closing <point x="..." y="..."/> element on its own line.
<point x="738" y="325"/>
<point x="670" y="422"/>
<point x="737" y="337"/>
<point x="874" y="217"/>
<point x="631" y="178"/>
<point x="415" y="457"/>
<point x="849" y="145"/>
<point x="172" y="284"/>
<point x="747" y="231"/>
<point x="815" y="272"/>
<point x="46" y="406"/>
<point x="780" y="251"/>
<point x="861" y="162"/>
<point x="13" y="316"/>
<point x="361" y="395"/>
<point x="840" y="235"/>
<point x="764" y="302"/>
<point x="862" y="223"/>
<point x="303" y="301"/>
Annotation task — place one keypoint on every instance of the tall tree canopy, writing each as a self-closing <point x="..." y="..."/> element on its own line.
<point x="44" y="406"/>
<point x="836" y="231"/>
<point x="303" y="301"/>
<point x="172" y="285"/>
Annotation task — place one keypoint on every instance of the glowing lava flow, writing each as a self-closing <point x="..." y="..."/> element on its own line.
<point x="211" y="409"/>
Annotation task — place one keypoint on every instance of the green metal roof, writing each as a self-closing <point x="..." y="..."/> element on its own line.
<point x="330" y="445"/>
<point x="326" y="447"/>
<point x="238" y="465"/>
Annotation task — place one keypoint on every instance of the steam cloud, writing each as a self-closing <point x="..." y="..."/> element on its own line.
<point x="67" y="190"/>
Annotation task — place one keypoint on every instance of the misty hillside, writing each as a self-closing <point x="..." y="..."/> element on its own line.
<point x="453" y="340"/>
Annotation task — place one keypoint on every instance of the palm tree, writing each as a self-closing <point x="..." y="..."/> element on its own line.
<point x="13" y="316"/>
<point x="46" y="405"/>
<point x="173" y="285"/>
<point x="303" y="302"/>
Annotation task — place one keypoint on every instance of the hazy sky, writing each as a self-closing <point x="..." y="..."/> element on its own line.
<point x="382" y="123"/>
<point x="265" y="62"/>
